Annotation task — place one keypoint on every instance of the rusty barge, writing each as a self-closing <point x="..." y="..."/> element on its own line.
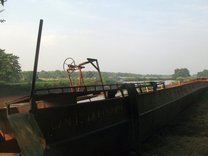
<point x="67" y="121"/>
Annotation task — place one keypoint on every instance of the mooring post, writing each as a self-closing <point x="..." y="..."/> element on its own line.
<point x="135" y="147"/>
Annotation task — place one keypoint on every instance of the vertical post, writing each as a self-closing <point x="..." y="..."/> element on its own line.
<point x="163" y="84"/>
<point x="135" y="147"/>
<point x="36" y="63"/>
<point x="154" y="85"/>
<point x="98" y="68"/>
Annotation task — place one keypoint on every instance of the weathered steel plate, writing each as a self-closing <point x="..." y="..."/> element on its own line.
<point x="28" y="134"/>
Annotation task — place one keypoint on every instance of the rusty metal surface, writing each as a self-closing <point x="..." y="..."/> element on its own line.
<point x="107" y="127"/>
<point x="27" y="134"/>
<point x="36" y="58"/>
<point x="76" y="123"/>
<point x="69" y="66"/>
<point x="158" y="117"/>
<point x="73" y="120"/>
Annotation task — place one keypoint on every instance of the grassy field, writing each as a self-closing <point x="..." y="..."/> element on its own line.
<point x="187" y="136"/>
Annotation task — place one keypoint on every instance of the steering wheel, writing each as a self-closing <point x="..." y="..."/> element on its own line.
<point x="69" y="65"/>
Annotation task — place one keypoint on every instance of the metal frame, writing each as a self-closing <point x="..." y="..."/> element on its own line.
<point x="79" y="67"/>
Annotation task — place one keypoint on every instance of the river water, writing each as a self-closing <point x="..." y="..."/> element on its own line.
<point x="167" y="82"/>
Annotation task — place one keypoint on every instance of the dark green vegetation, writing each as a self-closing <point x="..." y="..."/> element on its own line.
<point x="203" y="73"/>
<point x="11" y="75"/>
<point x="47" y="79"/>
<point x="181" y="73"/>
<point x="2" y="2"/>
<point x="109" y="77"/>
<point x="10" y="68"/>
<point x="60" y="79"/>
<point x="91" y="77"/>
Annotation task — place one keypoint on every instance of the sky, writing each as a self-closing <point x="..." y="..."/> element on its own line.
<point x="134" y="36"/>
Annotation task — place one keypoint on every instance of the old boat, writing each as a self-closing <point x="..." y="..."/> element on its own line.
<point x="71" y="121"/>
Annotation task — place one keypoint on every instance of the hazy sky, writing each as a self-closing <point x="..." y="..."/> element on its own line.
<point x="137" y="36"/>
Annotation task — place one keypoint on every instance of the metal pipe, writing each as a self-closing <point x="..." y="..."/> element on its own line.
<point x="36" y="60"/>
<point x="98" y="68"/>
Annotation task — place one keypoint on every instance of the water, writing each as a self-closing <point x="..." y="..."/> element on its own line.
<point x="167" y="82"/>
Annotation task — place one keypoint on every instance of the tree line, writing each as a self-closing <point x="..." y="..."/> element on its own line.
<point x="108" y="77"/>
<point x="10" y="71"/>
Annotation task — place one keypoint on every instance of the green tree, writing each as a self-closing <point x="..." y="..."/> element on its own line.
<point x="182" y="73"/>
<point x="9" y="67"/>
<point x="2" y="2"/>
<point x="203" y="73"/>
<point x="27" y="76"/>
